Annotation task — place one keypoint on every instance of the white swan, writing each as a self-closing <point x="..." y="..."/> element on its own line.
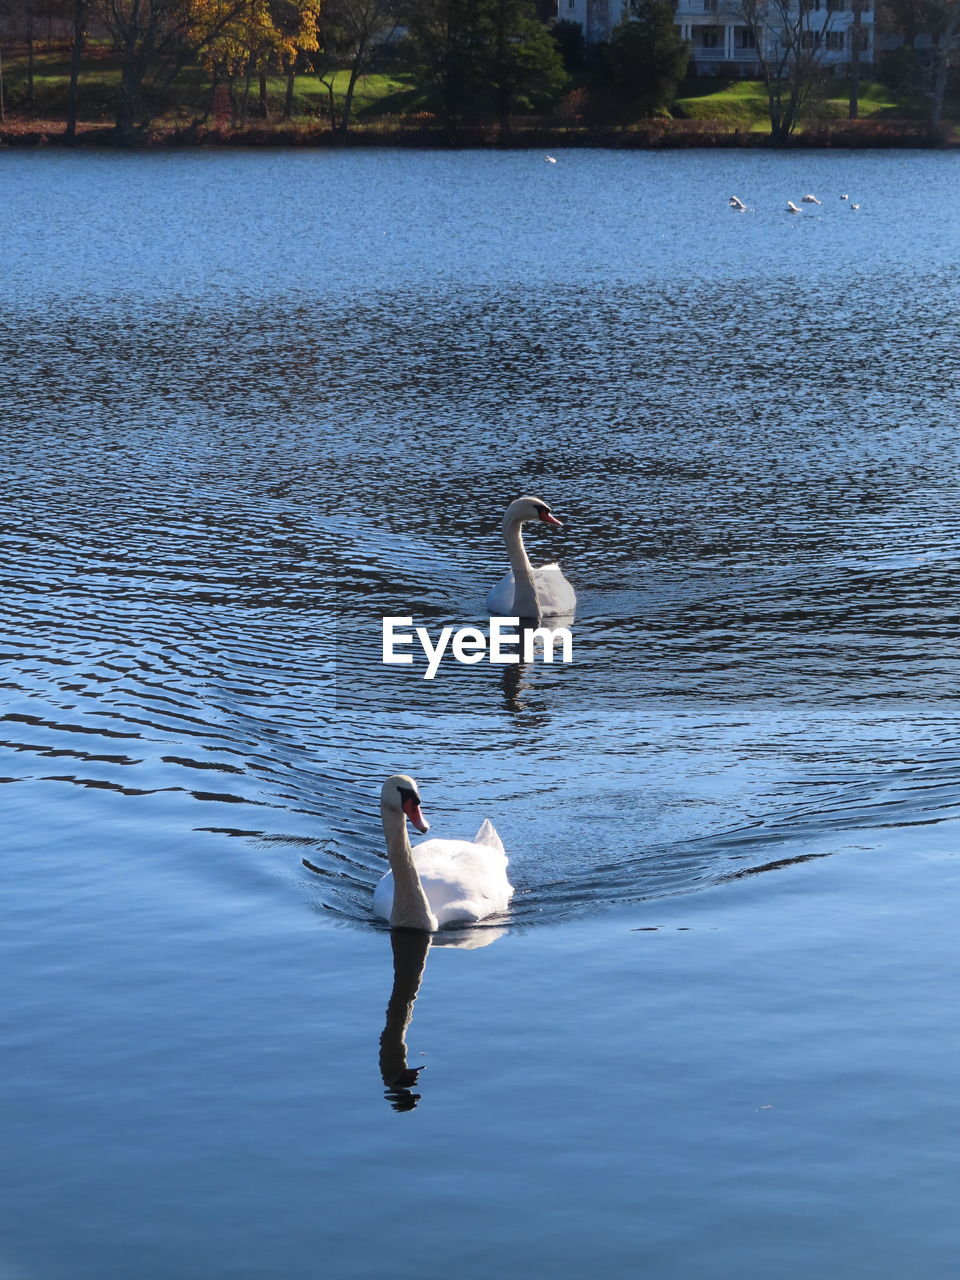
<point x="792" y="208"/>
<point x="736" y="203"/>
<point x="809" y="200"/>
<point x="526" y="592"/>
<point x="441" y="881"/>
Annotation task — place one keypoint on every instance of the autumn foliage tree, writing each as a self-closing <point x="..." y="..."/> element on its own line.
<point x="255" y="38"/>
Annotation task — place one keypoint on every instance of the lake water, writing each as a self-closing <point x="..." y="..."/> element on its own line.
<point x="250" y="404"/>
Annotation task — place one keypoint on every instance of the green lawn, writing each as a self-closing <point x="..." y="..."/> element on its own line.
<point x="744" y="102"/>
<point x="375" y="95"/>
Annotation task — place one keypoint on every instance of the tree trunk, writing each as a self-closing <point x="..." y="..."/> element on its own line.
<point x="127" y="96"/>
<point x="332" y="106"/>
<point x="80" y="11"/>
<point x="943" y="70"/>
<point x="211" y="98"/>
<point x="855" y="36"/>
<point x="355" y="68"/>
<point x="246" y="97"/>
<point x="264" y="109"/>
<point x="288" y="100"/>
<point x="29" y="17"/>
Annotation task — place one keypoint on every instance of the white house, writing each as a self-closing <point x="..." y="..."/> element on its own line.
<point x="721" y="42"/>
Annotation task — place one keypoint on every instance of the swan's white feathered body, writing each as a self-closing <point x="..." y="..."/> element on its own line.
<point x="526" y="592"/>
<point x="463" y="880"/>
<point x="554" y="593"/>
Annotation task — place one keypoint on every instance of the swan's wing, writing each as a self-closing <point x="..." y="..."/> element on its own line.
<point x="500" y="597"/>
<point x="463" y="881"/>
<point x="383" y="897"/>
<point x="488" y="835"/>
<point x="554" y="592"/>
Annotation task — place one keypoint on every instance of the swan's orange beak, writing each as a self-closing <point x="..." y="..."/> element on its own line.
<point x="412" y="809"/>
<point x="552" y="521"/>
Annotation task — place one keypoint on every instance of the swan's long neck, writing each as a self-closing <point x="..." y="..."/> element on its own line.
<point x="525" y="603"/>
<point x="410" y="907"/>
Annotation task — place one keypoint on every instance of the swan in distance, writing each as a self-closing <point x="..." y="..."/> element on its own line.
<point x="736" y="203"/>
<point x="526" y="592"/>
<point x="809" y="200"/>
<point x="439" y="882"/>
<point x="792" y="208"/>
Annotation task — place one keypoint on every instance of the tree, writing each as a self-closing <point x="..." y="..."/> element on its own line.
<point x="646" y="59"/>
<point x="81" y="13"/>
<point x="525" y="66"/>
<point x="790" y="37"/>
<point x="259" y="37"/>
<point x="354" y="31"/>
<point x="569" y="40"/>
<point x="474" y="58"/>
<point x="154" y="37"/>
<point x="856" y="47"/>
<point x="946" y="15"/>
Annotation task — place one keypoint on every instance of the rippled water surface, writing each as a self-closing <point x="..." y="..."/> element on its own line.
<point x="251" y="404"/>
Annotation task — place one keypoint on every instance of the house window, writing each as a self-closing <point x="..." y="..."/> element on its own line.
<point x="809" y="39"/>
<point x="746" y="39"/>
<point x="836" y="6"/>
<point x="835" y="40"/>
<point x="709" y="37"/>
<point x="710" y="6"/>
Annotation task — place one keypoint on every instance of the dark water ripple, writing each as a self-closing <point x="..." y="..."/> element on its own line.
<point x="210" y="501"/>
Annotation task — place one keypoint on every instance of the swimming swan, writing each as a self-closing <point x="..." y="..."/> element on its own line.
<point x="810" y="200"/>
<point x="736" y="203"/>
<point x="792" y="208"/>
<point x="526" y="592"/>
<point x="441" y="881"/>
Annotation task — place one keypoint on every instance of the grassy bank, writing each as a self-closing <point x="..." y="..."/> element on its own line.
<point x="388" y="111"/>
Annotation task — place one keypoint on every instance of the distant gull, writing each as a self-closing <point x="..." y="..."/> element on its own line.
<point x="737" y="203"/>
<point x="549" y="159"/>
<point x="809" y="200"/>
<point x="844" y="197"/>
<point x="792" y="208"/>
<point x="854" y="206"/>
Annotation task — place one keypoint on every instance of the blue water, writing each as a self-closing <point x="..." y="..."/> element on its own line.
<point x="251" y="403"/>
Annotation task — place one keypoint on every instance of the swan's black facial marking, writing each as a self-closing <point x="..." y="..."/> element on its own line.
<point x="543" y="511"/>
<point x="408" y="796"/>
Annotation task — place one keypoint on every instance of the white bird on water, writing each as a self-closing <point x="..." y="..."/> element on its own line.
<point x="808" y="199"/>
<point x="844" y="197"/>
<point x="792" y="208"/>
<point x="854" y="206"/>
<point x="440" y="881"/>
<point x="526" y="592"/>
<point x="737" y="203"/>
<point x="549" y="159"/>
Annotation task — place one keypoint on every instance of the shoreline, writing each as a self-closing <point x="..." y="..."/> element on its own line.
<point x="648" y="136"/>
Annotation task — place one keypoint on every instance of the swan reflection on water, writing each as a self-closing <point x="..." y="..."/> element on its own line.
<point x="513" y="682"/>
<point x="410" y="947"/>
